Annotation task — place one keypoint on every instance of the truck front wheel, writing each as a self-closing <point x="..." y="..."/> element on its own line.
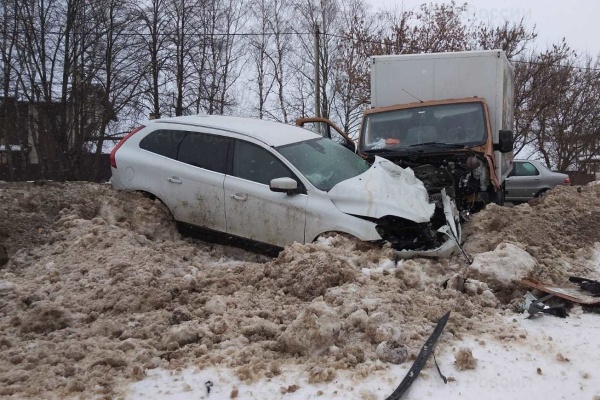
<point x="497" y="197"/>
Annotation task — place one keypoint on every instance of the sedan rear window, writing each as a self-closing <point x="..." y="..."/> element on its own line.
<point x="525" y="169"/>
<point x="323" y="162"/>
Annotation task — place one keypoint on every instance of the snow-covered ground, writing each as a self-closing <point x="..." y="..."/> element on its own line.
<point x="100" y="297"/>
<point x="558" y="359"/>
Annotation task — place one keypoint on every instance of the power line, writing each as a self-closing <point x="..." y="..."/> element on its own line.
<point x="333" y="35"/>
<point x="553" y="65"/>
<point x="350" y="38"/>
<point x="225" y="34"/>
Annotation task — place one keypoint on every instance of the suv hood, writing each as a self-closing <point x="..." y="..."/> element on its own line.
<point x="384" y="189"/>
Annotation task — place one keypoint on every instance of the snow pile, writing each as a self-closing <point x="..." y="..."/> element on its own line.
<point x="515" y="263"/>
<point x="100" y="288"/>
<point x="315" y="329"/>
<point x="559" y="231"/>
<point x="498" y="272"/>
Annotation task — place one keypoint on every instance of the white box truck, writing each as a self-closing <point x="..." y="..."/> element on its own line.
<point x="449" y="116"/>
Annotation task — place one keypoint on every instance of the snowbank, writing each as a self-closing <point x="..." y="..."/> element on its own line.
<point x="100" y="291"/>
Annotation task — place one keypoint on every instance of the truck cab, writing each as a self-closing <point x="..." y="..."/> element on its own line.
<point x="448" y="144"/>
<point x="447" y="116"/>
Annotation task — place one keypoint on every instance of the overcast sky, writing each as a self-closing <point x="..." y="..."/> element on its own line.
<point x="577" y="21"/>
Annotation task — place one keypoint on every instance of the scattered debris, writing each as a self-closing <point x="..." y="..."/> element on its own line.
<point x="422" y="357"/>
<point x="209" y="385"/>
<point x="535" y="306"/>
<point x="570" y="293"/>
<point x="587" y="284"/>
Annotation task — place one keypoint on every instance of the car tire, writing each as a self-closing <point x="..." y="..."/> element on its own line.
<point x="541" y="193"/>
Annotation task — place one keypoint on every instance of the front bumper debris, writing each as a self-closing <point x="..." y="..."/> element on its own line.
<point x="451" y="231"/>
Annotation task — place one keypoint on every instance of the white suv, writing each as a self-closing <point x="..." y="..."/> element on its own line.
<point x="277" y="184"/>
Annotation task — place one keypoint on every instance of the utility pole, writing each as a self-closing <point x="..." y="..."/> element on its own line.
<point x="317" y="80"/>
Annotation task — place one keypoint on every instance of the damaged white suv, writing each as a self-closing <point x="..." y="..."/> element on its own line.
<point x="276" y="184"/>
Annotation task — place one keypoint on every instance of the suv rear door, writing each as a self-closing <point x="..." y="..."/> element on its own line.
<point x="193" y="183"/>
<point x="252" y="210"/>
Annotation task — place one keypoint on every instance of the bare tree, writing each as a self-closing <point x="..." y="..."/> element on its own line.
<point x="441" y="27"/>
<point x="261" y="55"/>
<point x="324" y="15"/>
<point x="8" y="109"/>
<point x="351" y="67"/>
<point x="217" y="66"/>
<point x="120" y="69"/>
<point x="514" y="38"/>
<point x="40" y="55"/>
<point x="534" y="76"/>
<point x="567" y="130"/>
<point x="271" y="42"/>
<point x="280" y="26"/>
<point x="154" y="32"/>
<point x="183" y="40"/>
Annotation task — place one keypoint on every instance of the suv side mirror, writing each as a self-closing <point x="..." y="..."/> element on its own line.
<point x="284" y="185"/>
<point x="506" y="141"/>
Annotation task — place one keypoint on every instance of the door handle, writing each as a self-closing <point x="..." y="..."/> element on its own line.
<point x="536" y="179"/>
<point x="239" y="197"/>
<point x="174" y="180"/>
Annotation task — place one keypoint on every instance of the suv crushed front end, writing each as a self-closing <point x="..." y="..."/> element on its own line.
<point x="399" y="206"/>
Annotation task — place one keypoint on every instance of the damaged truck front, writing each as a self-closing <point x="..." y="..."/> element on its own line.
<point x="447" y="116"/>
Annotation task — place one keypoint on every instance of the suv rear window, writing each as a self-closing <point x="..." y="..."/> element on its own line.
<point x="164" y="142"/>
<point x="204" y="151"/>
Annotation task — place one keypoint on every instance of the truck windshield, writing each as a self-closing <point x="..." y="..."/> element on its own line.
<point x="323" y="162"/>
<point x="461" y="124"/>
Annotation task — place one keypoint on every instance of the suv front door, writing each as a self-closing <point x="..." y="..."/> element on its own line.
<point x="252" y="210"/>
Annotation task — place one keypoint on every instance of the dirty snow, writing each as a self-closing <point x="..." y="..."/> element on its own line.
<point x="516" y="264"/>
<point x="102" y="298"/>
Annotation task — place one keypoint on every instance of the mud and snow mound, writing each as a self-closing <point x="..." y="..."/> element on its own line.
<point x="559" y="230"/>
<point x="99" y="287"/>
<point x="315" y="329"/>
<point x="507" y="264"/>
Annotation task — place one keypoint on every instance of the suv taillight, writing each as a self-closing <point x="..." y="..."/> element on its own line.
<point x="567" y="181"/>
<point x="113" y="162"/>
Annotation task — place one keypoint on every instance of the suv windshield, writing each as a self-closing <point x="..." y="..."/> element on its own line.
<point x="457" y="125"/>
<point x="323" y="162"/>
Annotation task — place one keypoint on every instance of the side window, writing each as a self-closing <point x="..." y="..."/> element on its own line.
<point x="256" y="164"/>
<point x="204" y="151"/>
<point x="525" y="169"/>
<point x="163" y="142"/>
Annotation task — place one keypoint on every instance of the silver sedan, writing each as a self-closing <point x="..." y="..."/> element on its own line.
<point x="530" y="179"/>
